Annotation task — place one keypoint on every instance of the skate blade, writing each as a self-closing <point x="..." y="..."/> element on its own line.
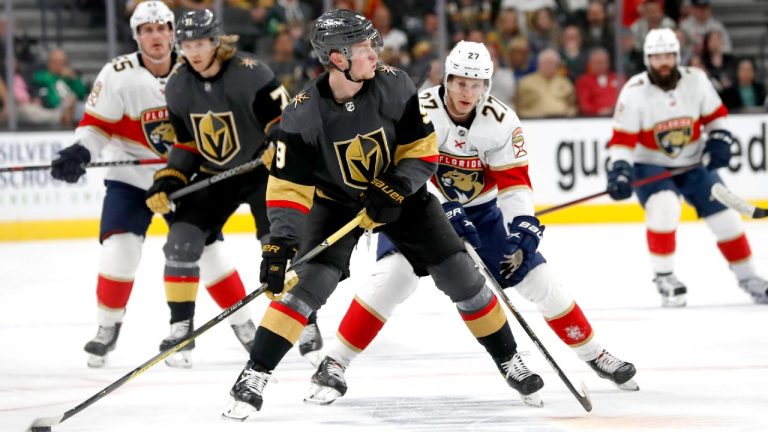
<point x="95" y="361"/>
<point x="237" y="411"/>
<point x="319" y="395"/>
<point x="674" y="302"/>
<point x="180" y="360"/>
<point x="630" y="385"/>
<point x="533" y="400"/>
<point x="314" y="357"/>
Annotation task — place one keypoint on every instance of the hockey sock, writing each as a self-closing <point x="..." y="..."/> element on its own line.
<point x="662" y="246"/>
<point x="279" y="330"/>
<point x="113" y="293"/>
<point x="227" y="291"/>
<point x="357" y="330"/>
<point x="573" y="328"/>
<point x="181" y="293"/>
<point x="739" y="255"/>
<point x="489" y="325"/>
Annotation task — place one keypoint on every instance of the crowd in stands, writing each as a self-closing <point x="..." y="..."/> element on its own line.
<point x="553" y="58"/>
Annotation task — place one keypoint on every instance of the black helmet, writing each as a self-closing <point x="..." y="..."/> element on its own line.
<point x="338" y="30"/>
<point x="197" y="24"/>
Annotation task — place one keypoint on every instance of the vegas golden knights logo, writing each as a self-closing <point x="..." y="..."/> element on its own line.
<point x="362" y="158"/>
<point x="216" y="136"/>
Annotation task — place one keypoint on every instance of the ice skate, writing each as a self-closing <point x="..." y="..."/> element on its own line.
<point x="246" y="396"/>
<point x="311" y="343"/>
<point x="182" y="358"/>
<point x="757" y="288"/>
<point x="521" y="379"/>
<point x="246" y="333"/>
<point x="104" y="342"/>
<point x="671" y="289"/>
<point x="617" y="371"/>
<point x="328" y="383"/>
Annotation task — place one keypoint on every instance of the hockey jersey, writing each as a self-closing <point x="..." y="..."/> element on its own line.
<point x="126" y="110"/>
<point x="485" y="161"/>
<point x="657" y="127"/>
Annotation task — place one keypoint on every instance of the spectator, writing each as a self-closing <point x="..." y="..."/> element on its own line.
<point x="748" y="94"/>
<point x="394" y="39"/>
<point x="631" y="57"/>
<point x="519" y="57"/>
<point x="572" y="52"/>
<point x="652" y="18"/>
<point x="59" y="86"/>
<point x="290" y="13"/>
<point x="289" y="70"/>
<point x="545" y="93"/>
<point x="544" y="32"/>
<point x="467" y="15"/>
<point x="185" y="5"/>
<point x="686" y="50"/>
<point x="598" y="31"/>
<point x="31" y="111"/>
<point x="507" y="29"/>
<point x="721" y="67"/>
<point x="700" y="22"/>
<point x="503" y="87"/>
<point x="3" y="102"/>
<point x="435" y="75"/>
<point x="598" y="89"/>
<point x="475" y="35"/>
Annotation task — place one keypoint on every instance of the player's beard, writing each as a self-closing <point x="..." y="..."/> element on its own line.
<point x="667" y="82"/>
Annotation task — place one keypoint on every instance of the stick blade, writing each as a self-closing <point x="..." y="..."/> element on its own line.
<point x="45" y="423"/>
<point x="584" y="398"/>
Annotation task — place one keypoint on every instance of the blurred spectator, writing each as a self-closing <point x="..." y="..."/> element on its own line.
<point x="507" y="28"/>
<point x="720" y="66"/>
<point x="22" y="46"/>
<point x="528" y="5"/>
<point x="652" y="18"/>
<point x="631" y="11"/>
<point x="3" y="102"/>
<point x="544" y="31"/>
<point x="748" y="94"/>
<point x="58" y="84"/>
<point x="598" y="89"/>
<point x="193" y="4"/>
<point x="545" y="93"/>
<point x="572" y="52"/>
<point x="519" y="57"/>
<point x="686" y="50"/>
<point x="475" y="35"/>
<point x="598" y="31"/>
<point x="503" y="79"/>
<point x="289" y="70"/>
<point x="435" y="75"/>
<point x="394" y="39"/>
<point x="466" y="15"/>
<point x="30" y="108"/>
<point x="700" y="22"/>
<point x="631" y="57"/>
<point x="290" y="13"/>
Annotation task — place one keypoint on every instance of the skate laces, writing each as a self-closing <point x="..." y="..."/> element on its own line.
<point x="607" y="362"/>
<point x="105" y="334"/>
<point x="667" y="282"/>
<point x="180" y="329"/>
<point x="255" y="381"/>
<point x="334" y="368"/>
<point x="515" y="368"/>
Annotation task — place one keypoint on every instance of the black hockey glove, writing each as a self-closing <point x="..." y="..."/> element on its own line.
<point x="69" y="166"/>
<point x="274" y="260"/>
<point x="167" y="181"/>
<point x="383" y="201"/>
<point x="619" y="180"/>
<point x="717" y="149"/>
<point x="464" y="227"/>
<point x="525" y="233"/>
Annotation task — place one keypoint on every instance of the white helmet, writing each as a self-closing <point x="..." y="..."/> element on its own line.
<point x="470" y="60"/>
<point x="660" y="41"/>
<point x="152" y="11"/>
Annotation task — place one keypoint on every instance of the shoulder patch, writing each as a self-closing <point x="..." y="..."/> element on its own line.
<point x="248" y="62"/>
<point x="299" y="99"/>
<point x="388" y="70"/>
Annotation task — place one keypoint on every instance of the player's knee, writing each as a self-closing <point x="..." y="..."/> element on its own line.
<point x="457" y="277"/>
<point x="297" y="304"/>
<point x="392" y="282"/>
<point x="185" y="243"/>
<point x="725" y="224"/>
<point x="662" y="211"/>
<point x="120" y="255"/>
<point x="214" y="263"/>
<point x="544" y="289"/>
<point x="317" y="282"/>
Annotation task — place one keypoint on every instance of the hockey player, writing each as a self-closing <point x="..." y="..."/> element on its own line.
<point x="126" y="112"/>
<point x="221" y="104"/>
<point x="357" y="139"/>
<point x="658" y="124"/>
<point x="482" y="179"/>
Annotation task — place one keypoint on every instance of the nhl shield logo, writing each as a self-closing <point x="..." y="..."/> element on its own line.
<point x="460" y="178"/>
<point x="672" y="135"/>
<point x="362" y="158"/>
<point x="158" y="131"/>
<point x="216" y="136"/>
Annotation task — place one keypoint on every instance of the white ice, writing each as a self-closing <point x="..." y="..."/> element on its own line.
<point x="701" y="368"/>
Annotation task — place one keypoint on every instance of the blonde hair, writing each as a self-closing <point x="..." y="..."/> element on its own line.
<point x="227" y="47"/>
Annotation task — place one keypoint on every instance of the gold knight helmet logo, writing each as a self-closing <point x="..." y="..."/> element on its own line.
<point x="216" y="136"/>
<point x="362" y="158"/>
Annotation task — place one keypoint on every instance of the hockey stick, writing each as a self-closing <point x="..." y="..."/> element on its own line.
<point x="194" y="187"/>
<point x="88" y="165"/>
<point x="730" y="199"/>
<point x="45" y="423"/>
<point x="583" y="399"/>
<point x="642" y="182"/>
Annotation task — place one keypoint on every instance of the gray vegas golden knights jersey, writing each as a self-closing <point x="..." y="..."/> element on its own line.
<point x="221" y="121"/>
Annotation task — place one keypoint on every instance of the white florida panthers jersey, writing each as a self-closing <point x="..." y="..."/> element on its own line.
<point x="657" y="127"/>
<point x="126" y="109"/>
<point x="487" y="160"/>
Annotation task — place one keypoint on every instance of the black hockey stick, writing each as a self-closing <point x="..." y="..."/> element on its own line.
<point x="665" y="175"/>
<point x="730" y="199"/>
<point x="583" y="399"/>
<point x="194" y="187"/>
<point x="88" y="165"/>
<point x="45" y="423"/>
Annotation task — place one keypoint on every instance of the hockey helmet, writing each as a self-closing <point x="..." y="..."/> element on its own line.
<point x="197" y="24"/>
<point x="470" y="60"/>
<point x="338" y="30"/>
<point x="660" y="41"/>
<point x="152" y="11"/>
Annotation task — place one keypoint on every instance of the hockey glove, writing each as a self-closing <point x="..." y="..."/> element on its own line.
<point x="383" y="201"/>
<point x="69" y="166"/>
<point x="167" y="180"/>
<point x="274" y="261"/>
<point x="525" y="233"/>
<point x="619" y="180"/>
<point x="464" y="227"/>
<point x="717" y="149"/>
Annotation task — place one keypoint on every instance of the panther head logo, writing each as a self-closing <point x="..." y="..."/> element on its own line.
<point x="465" y="185"/>
<point x="163" y="134"/>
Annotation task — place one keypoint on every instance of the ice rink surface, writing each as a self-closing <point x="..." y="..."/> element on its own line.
<point x="701" y="368"/>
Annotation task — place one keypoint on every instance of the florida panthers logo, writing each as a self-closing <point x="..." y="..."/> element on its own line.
<point x="460" y="178"/>
<point x="216" y="136"/>
<point x="158" y="131"/>
<point x="673" y="135"/>
<point x="362" y="158"/>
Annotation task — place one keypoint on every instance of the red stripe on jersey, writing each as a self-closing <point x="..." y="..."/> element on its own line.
<point x="288" y="311"/>
<point x="720" y="112"/>
<point x="359" y="327"/>
<point x="227" y="291"/>
<point x="735" y="250"/>
<point x="624" y="139"/>
<point x="648" y="138"/>
<point x="430" y="159"/>
<point x="661" y="243"/>
<point x="287" y="204"/>
<point x="466" y="316"/>
<point x="181" y="279"/>
<point x="113" y="294"/>
<point x="517" y="176"/>
<point x="125" y="127"/>
<point x="573" y="327"/>
<point x="187" y="148"/>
